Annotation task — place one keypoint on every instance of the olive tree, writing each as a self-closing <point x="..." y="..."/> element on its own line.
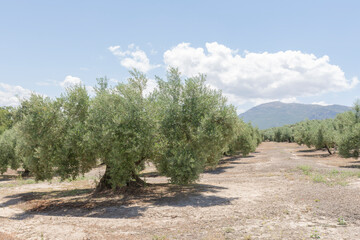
<point x="246" y="139"/>
<point x="38" y="141"/>
<point x="8" y="157"/>
<point x="195" y="126"/>
<point x="324" y="135"/>
<point x="51" y="135"/>
<point x="348" y="137"/>
<point x="121" y="130"/>
<point x="72" y="156"/>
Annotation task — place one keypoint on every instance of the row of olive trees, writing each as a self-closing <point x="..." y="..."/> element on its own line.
<point x="279" y="134"/>
<point x="341" y="133"/>
<point x="182" y="127"/>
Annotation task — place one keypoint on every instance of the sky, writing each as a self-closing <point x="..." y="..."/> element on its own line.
<point x="254" y="51"/>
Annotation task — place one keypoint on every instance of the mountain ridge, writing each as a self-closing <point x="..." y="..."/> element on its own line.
<point x="277" y="114"/>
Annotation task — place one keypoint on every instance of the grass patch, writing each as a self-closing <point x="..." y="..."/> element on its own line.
<point x="315" y="234"/>
<point x="305" y="169"/>
<point x="18" y="182"/>
<point x="229" y="230"/>
<point x="156" y="237"/>
<point x="318" y="178"/>
<point x="341" y="221"/>
<point x="247" y="237"/>
<point x="331" y="178"/>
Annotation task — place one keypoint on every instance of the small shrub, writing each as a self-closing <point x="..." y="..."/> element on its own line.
<point x="341" y="221"/>
<point x="315" y="234"/>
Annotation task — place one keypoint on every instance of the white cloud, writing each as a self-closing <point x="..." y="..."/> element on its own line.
<point x="70" y="81"/>
<point x="12" y="95"/>
<point x="322" y="103"/>
<point x="260" y="77"/>
<point x="134" y="57"/>
<point x="151" y="85"/>
<point x="90" y="90"/>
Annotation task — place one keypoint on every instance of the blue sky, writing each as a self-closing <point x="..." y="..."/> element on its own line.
<point x="254" y="51"/>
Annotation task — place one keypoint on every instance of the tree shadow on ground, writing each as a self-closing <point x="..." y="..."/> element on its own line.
<point x="7" y="178"/>
<point x="307" y="150"/>
<point x="150" y="174"/>
<point x="351" y="166"/>
<point x="123" y="204"/>
<point x="240" y="163"/>
<point x="29" y="196"/>
<point x="321" y="155"/>
<point x="218" y="170"/>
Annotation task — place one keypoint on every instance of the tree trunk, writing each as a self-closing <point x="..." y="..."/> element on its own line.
<point x="327" y="148"/>
<point x="105" y="183"/>
<point x="136" y="182"/>
<point x="26" y="173"/>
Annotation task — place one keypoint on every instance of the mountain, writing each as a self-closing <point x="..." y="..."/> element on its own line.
<point x="277" y="114"/>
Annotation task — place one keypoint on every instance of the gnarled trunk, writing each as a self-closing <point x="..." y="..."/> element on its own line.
<point x="105" y="181"/>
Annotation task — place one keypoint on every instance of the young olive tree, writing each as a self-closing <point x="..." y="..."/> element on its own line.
<point x="51" y="135"/>
<point x="246" y="139"/>
<point x="303" y="133"/>
<point x="324" y="135"/>
<point x="38" y="140"/>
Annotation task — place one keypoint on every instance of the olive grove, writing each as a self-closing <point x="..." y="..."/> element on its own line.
<point x="182" y="128"/>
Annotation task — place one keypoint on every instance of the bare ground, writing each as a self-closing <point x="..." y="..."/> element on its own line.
<point x="283" y="191"/>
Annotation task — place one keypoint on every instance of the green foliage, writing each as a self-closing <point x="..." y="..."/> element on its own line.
<point x="246" y="140"/>
<point x="8" y="157"/>
<point x="72" y="157"/>
<point x="182" y="127"/>
<point x="349" y="132"/>
<point x="305" y="169"/>
<point x="341" y="221"/>
<point x="52" y="135"/>
<point x="313" y="133"/>
<point x="195" y="127"/>
<point x="279" y="134"/>
<point x="6" y="120"/>
<point x="38" y="141"/>
<point x="121" y="129"/>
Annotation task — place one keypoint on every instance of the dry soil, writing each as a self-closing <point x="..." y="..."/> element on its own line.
<point x="282" y="191"/>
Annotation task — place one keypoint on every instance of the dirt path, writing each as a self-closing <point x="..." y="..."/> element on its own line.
<point x="283" y="191"/>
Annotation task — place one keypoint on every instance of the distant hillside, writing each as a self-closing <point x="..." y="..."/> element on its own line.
<point x="276" y="114"/>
